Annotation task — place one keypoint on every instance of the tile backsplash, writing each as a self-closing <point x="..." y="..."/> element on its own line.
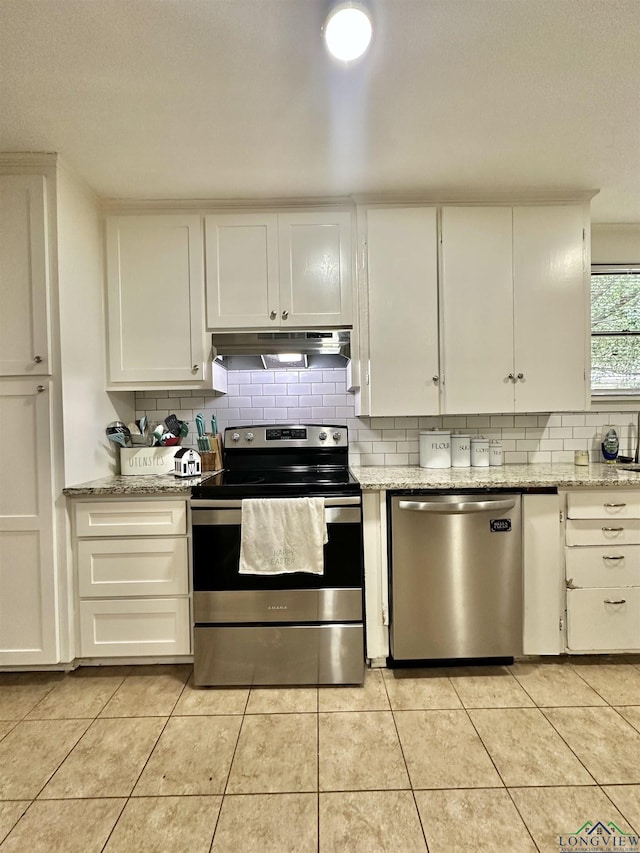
<point x="321" y="396"/>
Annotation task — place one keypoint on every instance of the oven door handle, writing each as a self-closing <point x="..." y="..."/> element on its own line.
<point x="213" y="517"/>
<point x="212" y="503"/>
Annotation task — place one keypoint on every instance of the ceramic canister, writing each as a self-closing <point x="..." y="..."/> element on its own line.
<point x="479" y="452"/>
<point x="496" y="454"/>
<point x="460" y="450"/>
<point x="435" y="448"/>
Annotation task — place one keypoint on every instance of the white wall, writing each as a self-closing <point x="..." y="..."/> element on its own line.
<point x="87" y="407"/>
<point x="615" y="244"/>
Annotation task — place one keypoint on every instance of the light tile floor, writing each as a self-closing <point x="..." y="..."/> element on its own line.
<point x="492" y="759"/>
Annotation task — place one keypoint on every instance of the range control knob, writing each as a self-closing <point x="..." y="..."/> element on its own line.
<point x="337" y="436"/>
<point x="235" y="436"/>
<point x="249" y="436"/>
<point x="322" y="435"/>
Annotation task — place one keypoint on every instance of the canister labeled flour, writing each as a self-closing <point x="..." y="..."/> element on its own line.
<point x="435" y="448"/>
<point x="479" y="452"/>
<point x="460" y="450"/>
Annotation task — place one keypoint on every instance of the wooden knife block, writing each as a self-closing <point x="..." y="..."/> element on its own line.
<point x="212" y="459"/>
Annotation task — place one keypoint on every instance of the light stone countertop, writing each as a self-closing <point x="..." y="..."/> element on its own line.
<point x="539" y="475"/>
<point x="144" y="484"/>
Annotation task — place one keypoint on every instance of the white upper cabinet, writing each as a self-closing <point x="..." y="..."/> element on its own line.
<point x="155" y="280"/>
<point x="514" y="307"/>
<point x="551" y="321"/>
<point x="278" y="271"/>
<point x="402" y="273"/>
<point x="24" y="331"/>
<point x="477" y="309"/>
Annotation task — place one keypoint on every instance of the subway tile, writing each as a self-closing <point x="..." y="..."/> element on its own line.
<point x="551" y="444"/>
<point x="502" y="420"/>
<point x="527" y="444"/>
<point x="573" y="420"/>
<point x="396" y="459"/>
<point x="344" y="412"/>
<point x="384" y="446"/>
<point x="286" y="401"/>
<point x="372" y="459"/>
<point x="275" y="413"/>
<point x="323" y="388"/>
<point x="334" y="400"/>
<point x="262" y="377"/>
<point x="382" y="423"/>
<point x="406" y="423"/>
<point x="561" y="432"/>
<point x="478" y="421"/>
<point x="515" y="457"/>
<point x="576" y="444"/>
<point x="310" y="400"/>
<point x="288" y="377"/>
<point x="393" y="434"/>
<point x="525" y="421"/>
<point x="323" y="412"/>
<point x="450" y="422"/>
<point x="586" y="432"/>
<point x="266" y="402"/>
<point x="558" y="456"/>
<point x="251" y="415"/>
<point x="279" y="388"/>
<point x="300" y="388"/>
<point x="538" y="456"/>
<point x="433" y="422"/>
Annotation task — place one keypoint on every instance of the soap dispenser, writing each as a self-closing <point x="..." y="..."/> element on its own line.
<point x="610" y="444"/>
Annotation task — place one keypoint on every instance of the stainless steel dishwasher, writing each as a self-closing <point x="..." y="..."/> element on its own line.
<point x="456" y="576"/>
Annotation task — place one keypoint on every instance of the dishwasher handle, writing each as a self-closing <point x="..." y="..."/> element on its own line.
<point x="457" y="508"/>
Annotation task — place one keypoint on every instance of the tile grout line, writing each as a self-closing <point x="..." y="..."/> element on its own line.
<point x="406" y="766"/>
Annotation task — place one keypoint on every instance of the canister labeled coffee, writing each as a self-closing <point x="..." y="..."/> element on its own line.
<point x="479" y="452"/>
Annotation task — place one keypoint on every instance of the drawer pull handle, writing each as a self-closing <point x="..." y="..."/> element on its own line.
<point x="612" y="529"/>
<point x="615" y="506"/>
<point x="612" y="557"/>
<point x="619" y="601"/>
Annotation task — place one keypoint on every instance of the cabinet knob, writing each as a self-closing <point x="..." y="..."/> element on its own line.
<point x="512" y="377"/>
<point x="38" y="359"/>
<point x="273" y="315"/>
<point x="285" y="314"/>
<point x="195" y="368"/>
<point x="40" y="389"/>
<point x="520" y="376"/>
<point x="435" y="379"/>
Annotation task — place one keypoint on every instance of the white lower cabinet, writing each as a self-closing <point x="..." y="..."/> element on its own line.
<point x="132" y="560"/>
<point x="602" y="570"/>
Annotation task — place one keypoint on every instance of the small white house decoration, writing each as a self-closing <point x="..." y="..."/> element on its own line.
<point x="186" y="463"/>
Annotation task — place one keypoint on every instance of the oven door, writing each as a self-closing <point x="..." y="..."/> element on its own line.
<point x="216" y="528"/>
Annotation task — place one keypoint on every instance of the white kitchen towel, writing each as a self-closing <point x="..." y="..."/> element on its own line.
<point x="282" y="535"/>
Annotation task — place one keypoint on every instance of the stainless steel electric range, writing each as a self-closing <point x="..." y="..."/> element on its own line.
<point x="295" y="628"/>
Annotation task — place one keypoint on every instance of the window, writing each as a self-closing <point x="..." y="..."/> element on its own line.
<point x="615" y="331"/>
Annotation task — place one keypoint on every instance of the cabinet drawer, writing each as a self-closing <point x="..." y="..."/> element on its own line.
<point x="120" y="628"/>
<point x="605" y="504"/>
<point x="128" y="567"/>
<point x="131" y="518"/>
<point x="603" y="531"/>
<point x="608" y="566"/>
<point x="594" y="624"/>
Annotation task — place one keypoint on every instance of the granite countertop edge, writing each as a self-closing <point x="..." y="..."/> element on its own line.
<point x="376" y="478"/>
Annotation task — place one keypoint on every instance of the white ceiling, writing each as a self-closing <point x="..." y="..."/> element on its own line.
<point x="236" y="98"/>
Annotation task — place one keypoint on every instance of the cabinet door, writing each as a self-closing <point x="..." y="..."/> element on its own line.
<point x="551" y="309"/>
<point x="134" y="627"/>
<point x="477" y="309"/>
<point x="156" y="298"/>
<point x="603" y="619"/>
<point x="24" y="337"/>
<point x="242" y="271"/>
<point x="403" y="333"/>
<point x="315" y="269"/>
<point x="28" y="631"/>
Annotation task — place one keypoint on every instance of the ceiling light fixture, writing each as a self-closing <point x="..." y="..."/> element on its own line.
<point x="347" y="31"/>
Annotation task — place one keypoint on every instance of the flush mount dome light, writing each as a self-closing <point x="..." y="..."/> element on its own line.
<point x="347" y="31"/>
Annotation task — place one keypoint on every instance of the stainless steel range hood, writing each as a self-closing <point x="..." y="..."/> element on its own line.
<point x="255" y="350"/>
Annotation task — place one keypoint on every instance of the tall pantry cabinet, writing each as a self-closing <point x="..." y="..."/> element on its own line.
<point x="50" y="319"/>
